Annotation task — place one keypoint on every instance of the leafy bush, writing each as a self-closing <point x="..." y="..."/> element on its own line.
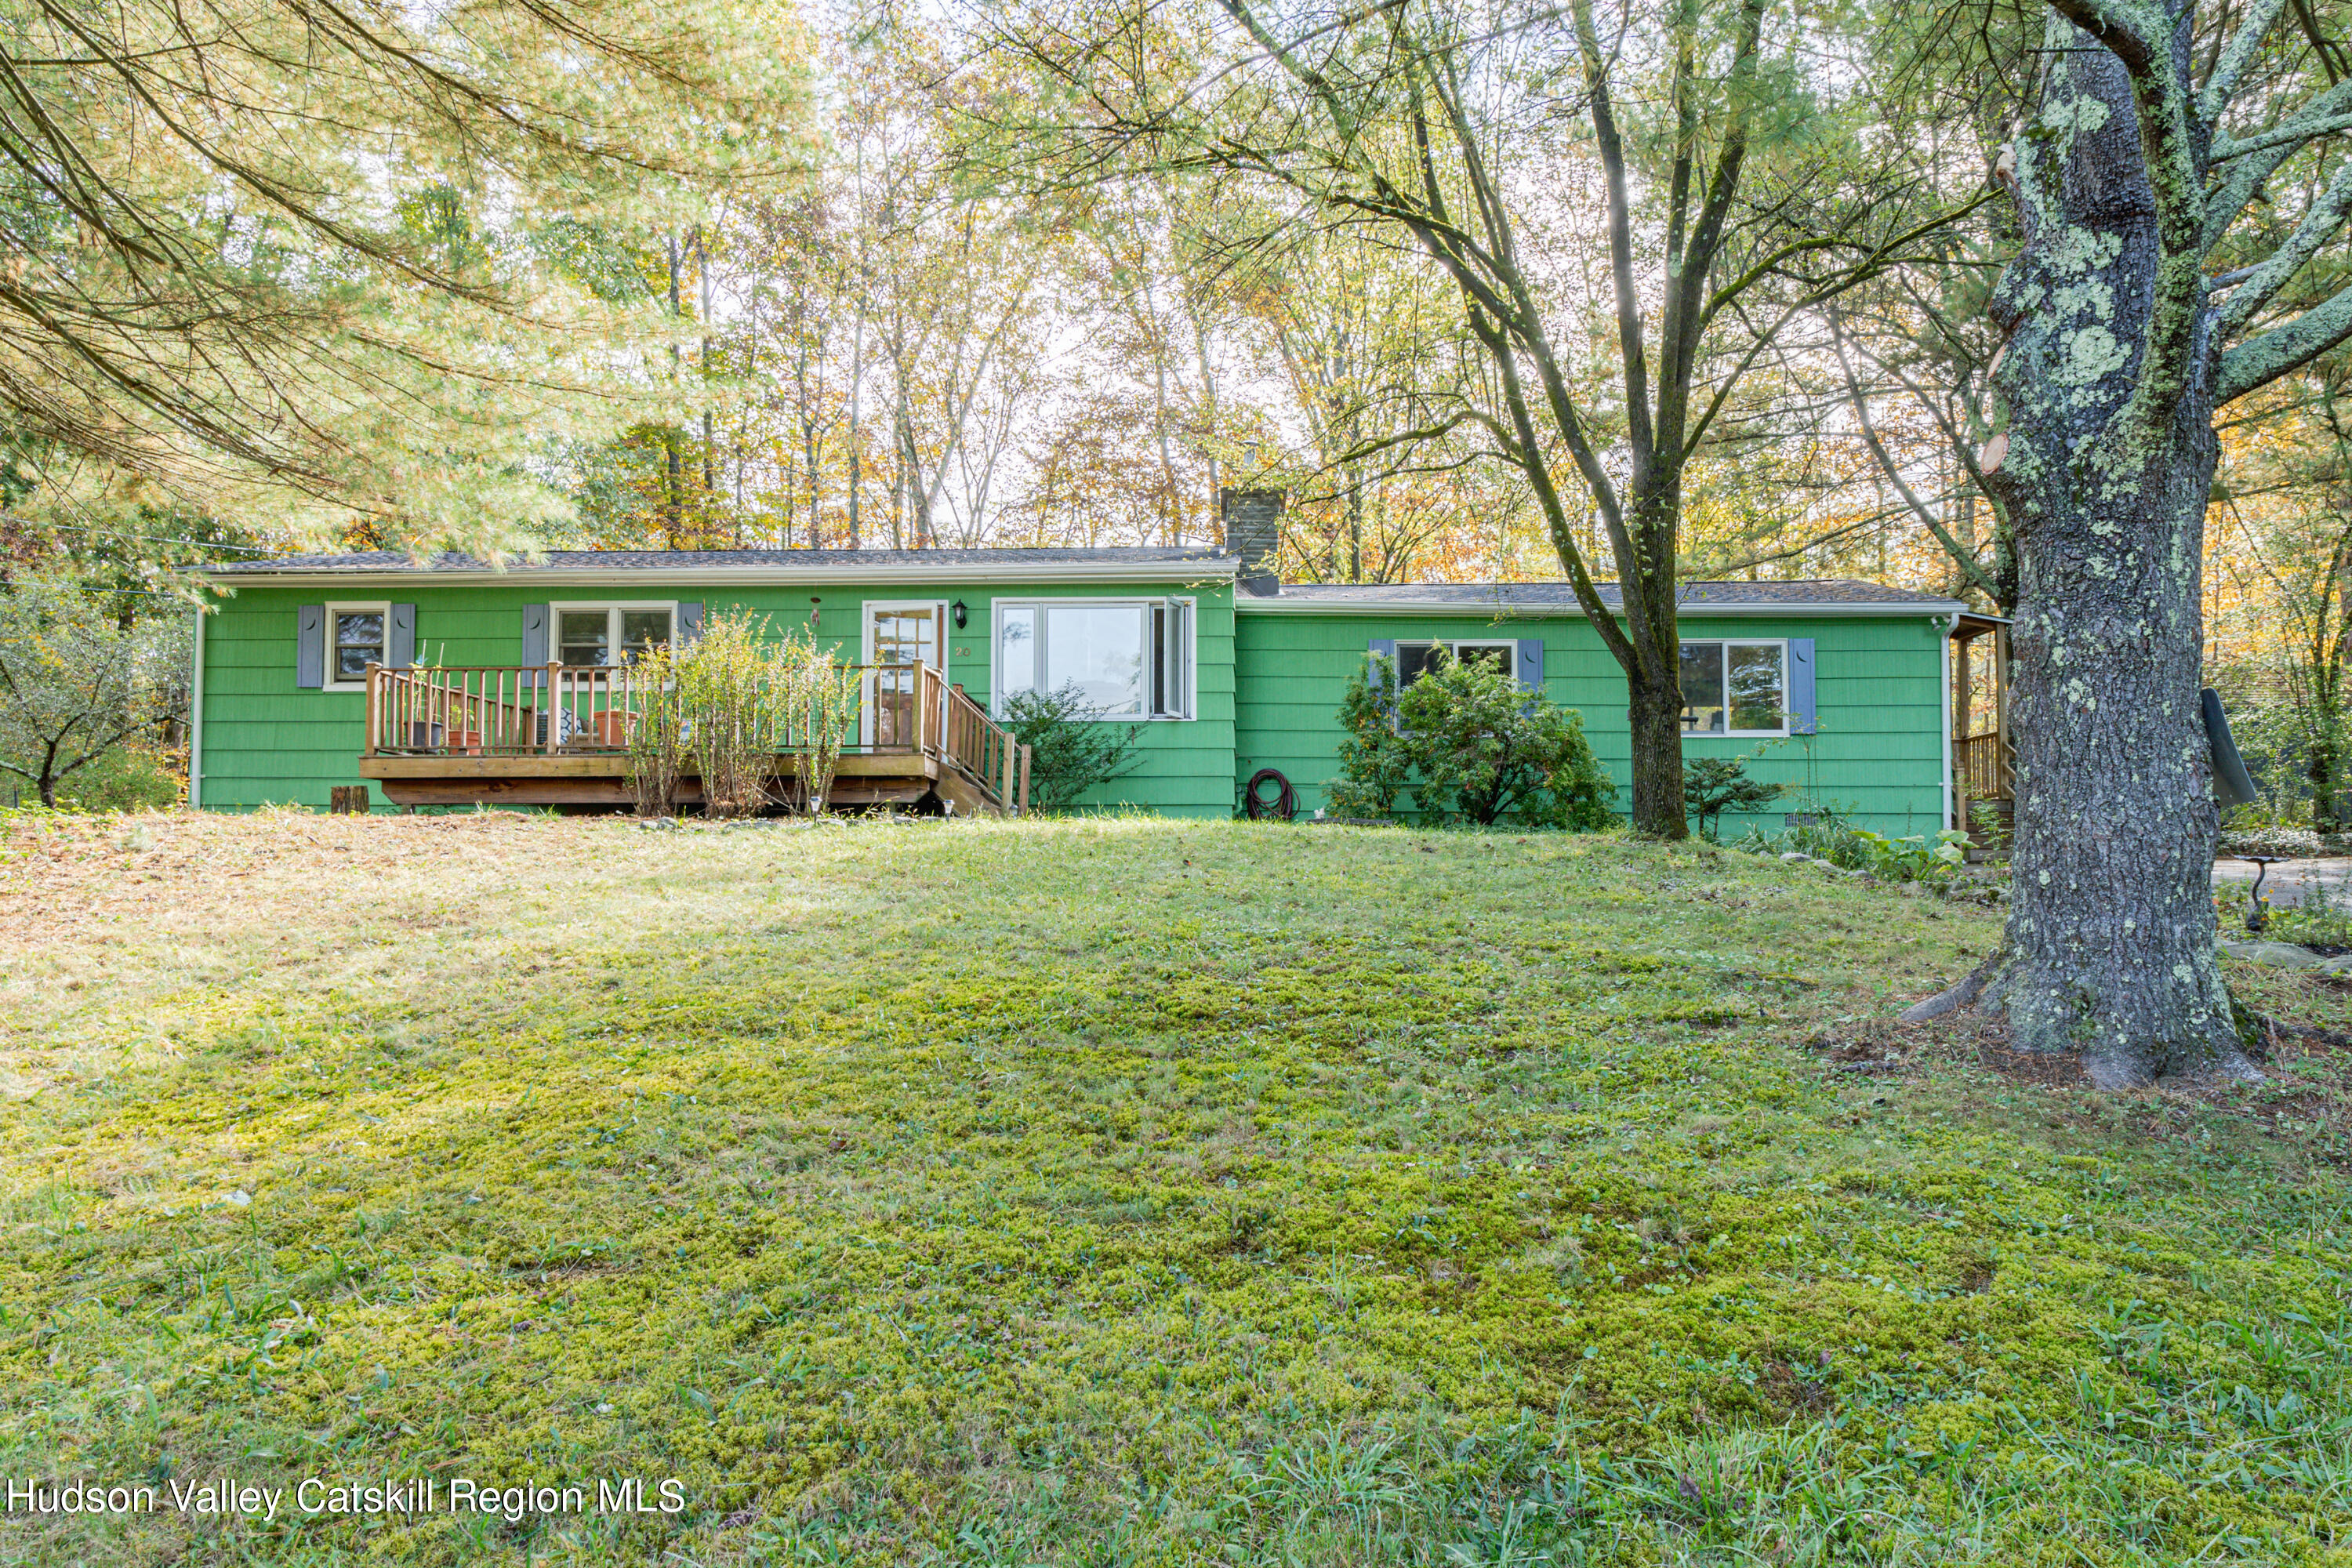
<point x="1070" y="750"/>
<point x="1917" y="858"/>
<point x="75" y="684"/>
<point x="2255" y="830"/>
<point x="1471" y="744"/>
<point x="1374" y="765"/>
<point x="2322" y="918"/>
<point x="1713" y="785"/>
<point x="126" y="778"/>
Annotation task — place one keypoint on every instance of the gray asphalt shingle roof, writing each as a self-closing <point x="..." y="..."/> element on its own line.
<point x="1561" y="595"/>
<point x="1530" y="597"/>
<point x="372" y="561"/>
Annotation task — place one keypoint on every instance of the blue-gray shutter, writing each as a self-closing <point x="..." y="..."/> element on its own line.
<point x="400" y="637"/>
<point x="1530" y="663"/>
<point x="1800" y="686"/>
<point x="310" y="646"/>
<point x="1382" y="647"/>
<point x="689" y="621"/>
<point x="534" y="634"/>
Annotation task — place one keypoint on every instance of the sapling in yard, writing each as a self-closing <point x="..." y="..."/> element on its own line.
<point x="1713" y="785"/>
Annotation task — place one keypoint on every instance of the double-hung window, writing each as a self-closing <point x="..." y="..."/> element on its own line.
<point x="1413" y="657"/>
<point x="1124" y="659"/>
<point x="357" y="636"/>
<point x="1736" y="687"/>
<point x="601" y="636"/>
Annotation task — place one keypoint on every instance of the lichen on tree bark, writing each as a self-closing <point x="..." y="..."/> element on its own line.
<point x="2109" y="387"/>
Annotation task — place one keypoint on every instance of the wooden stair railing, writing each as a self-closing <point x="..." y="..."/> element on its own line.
<point x="492" y="710"/>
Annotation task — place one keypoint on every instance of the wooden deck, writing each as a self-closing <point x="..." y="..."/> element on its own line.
<point x="552" y="735"/>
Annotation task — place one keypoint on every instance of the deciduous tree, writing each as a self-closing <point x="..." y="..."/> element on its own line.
<point x="2181" y="176"/>
<point x="1694" y="132"/>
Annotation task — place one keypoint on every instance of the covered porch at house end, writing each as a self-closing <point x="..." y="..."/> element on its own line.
<point x="1984" y="762"/>
<point x="560" y="735"/>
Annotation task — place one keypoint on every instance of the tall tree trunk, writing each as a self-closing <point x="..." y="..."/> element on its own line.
<point x="856" y="413"/>
<point x="1655" y="713"/>
<point x="2109" y="950"/>
<point x="1212" y="429"/>
<point x="673" y="479"/>
<point x="2331" y="663"/>
<point x="702" y="369"/>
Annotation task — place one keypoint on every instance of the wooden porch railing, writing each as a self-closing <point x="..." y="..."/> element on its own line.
<point x="1985" y="768"/>
<point x="515" y="710"/>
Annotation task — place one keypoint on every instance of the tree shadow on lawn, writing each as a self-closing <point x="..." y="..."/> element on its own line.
<point x="1411" y="1197"/>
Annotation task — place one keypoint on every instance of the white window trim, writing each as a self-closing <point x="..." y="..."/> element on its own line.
<point x="611" y="608"/>
<point x="1728" y="644"/>
<point x="1192" y="672"/>
<point x="1510" y="646"/>
<point x="869" y="701"/>
<point x="327" y="630"/>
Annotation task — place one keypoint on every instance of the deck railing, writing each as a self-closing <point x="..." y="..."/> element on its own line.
<point x="1983" y="765"/>
<point x="559" y="709"/>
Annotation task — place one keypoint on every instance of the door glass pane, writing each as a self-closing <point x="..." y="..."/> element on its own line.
<point x="905" y="636"/>
<point x="1756" y="699"/>
<point x="583" y="635"/>
<point x="641" y="630"/>
<point x="359" y="638"/>
<point x="1100" y="649"/>
<point x="901" y="637"/>
<point x="1017" y="651"/>
<point x="1702" y="680"/>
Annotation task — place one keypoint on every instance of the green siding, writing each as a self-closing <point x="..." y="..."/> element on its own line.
<point x="1878" y="696"/>
<point x="1268" y="687"/>
<point x="266" y="739"/>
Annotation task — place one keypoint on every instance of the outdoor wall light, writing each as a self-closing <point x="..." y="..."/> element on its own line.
<point x="961" y="614"/>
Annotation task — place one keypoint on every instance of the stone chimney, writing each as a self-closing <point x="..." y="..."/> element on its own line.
<point x="1252" y="528"/>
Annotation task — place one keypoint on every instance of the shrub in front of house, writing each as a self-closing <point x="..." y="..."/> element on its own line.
<point x="1468" y="745"/>
<point x="723" y="706"/>
<point x="1070" y="750"/>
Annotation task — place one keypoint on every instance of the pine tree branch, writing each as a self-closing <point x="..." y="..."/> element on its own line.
<point x="2221" y="84"/>
<point x="2321" y="222"/>
<point x="2260" y="360"/>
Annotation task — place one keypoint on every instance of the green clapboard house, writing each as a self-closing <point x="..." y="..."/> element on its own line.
<point x="452" y="681"/>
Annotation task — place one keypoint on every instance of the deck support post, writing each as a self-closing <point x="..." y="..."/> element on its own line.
<point x="374" y="698"/>
<point x="554" y="724"/>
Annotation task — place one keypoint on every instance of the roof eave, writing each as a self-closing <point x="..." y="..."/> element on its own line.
<point x="1219" y="568"/>
<point x="1548" y="611"/>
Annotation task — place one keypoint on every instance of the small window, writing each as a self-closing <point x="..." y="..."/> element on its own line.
<point x="601" y="636"/>
<point x="1734" y="687"/>
<point x="357" y="636"/>
<point x="1413" y="657"/>
<point x="1128" y="659"/>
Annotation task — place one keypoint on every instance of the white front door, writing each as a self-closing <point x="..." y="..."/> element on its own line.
<point x="900" y="634"/>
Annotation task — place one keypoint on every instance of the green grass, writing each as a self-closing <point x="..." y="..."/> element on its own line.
<point x="1124" y="1191"/>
